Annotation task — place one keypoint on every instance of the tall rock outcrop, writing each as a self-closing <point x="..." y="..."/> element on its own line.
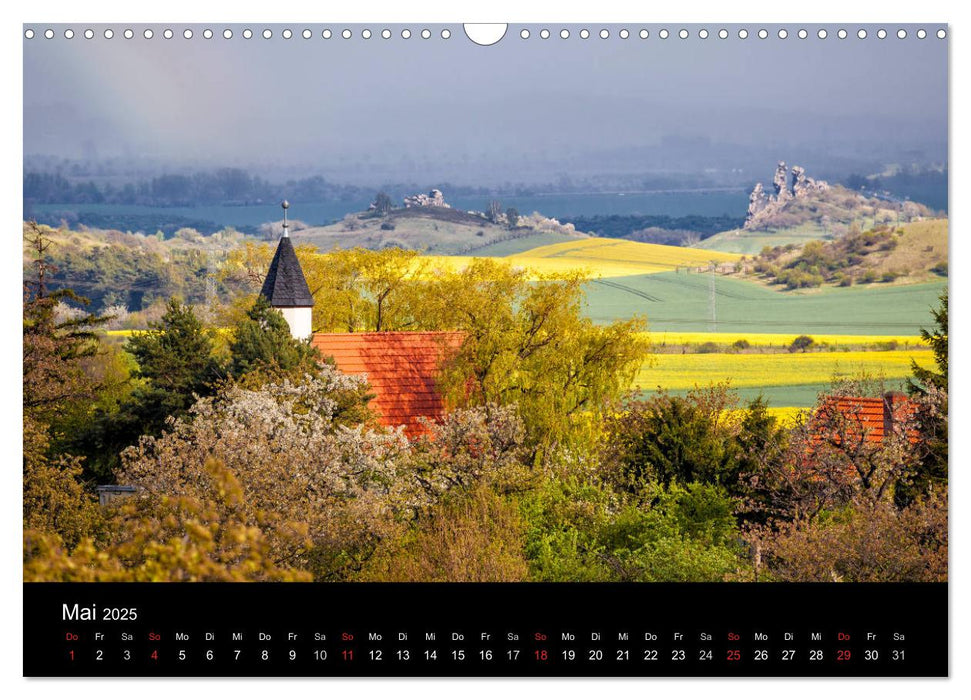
<point x="762" y="206"/>
<point x="779" y="182"/>
<point x="757" y="201"/>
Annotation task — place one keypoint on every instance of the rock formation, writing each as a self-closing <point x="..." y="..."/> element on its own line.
<point x="803" y="186"/>
<point x="763" y="206"/>
<point x="435" y="198"/>
<point x="757" y="201"/>
<point x="779" y="182"/>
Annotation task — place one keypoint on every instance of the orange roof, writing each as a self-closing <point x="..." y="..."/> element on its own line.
<point x="402" y="368"/>
<point x="870" y="418"/>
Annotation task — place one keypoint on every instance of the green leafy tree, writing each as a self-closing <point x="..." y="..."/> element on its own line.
<point x="495" y="210"/>
<point x="527" y="342"/>
<point x="354" y="290"/>
<point x="580" y="530"/>
<point x="801" y="343"/>
<point x="176" y="364"/>
<point x="512" y="217"/>
<point x="172" y="537"/>
<point x="929" y="390"/>
<point x="176" y="355"/>
<point x="762" y="445"/>
<point x="262" y="342"/>
<point x="383" y="204"/>
<point x="937" y="340"/>
<point x="674" y="440"/>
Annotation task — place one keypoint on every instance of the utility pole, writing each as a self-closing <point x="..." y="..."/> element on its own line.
<point x="713" y="326"/>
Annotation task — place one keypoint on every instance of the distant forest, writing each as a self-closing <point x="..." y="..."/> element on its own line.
<point x="222" y="186"/>
<point x="650" y="228"/>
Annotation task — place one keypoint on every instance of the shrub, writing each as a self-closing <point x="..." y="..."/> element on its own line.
<point x="741" y="344"/>
<point x="801" y="343"/>
<point x="673" y="439"/>
<point x="578" y="531"/>
<point x="477" y="537"/>
<point x="707" y="348"/>
<point x="865" y="543"/>
<point x="869" y="277"/>
<point x="173" y="538"/>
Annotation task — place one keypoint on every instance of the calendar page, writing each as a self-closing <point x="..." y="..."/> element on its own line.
<point x="542" y="349"/>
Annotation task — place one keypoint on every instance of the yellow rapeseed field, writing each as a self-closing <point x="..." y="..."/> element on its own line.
<point x="612" y="257"/>
<point x="776" y="339"/>
<point x="786" y="415"/>
<point x="599" y="257"/>
<point x="677" y="371"/>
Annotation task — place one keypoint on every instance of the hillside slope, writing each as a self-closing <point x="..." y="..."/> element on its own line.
<point x="613" y="257"/>
<point x="437" y="230"/>
<point x="823" y="215"/>
<point x="911" y="253"/>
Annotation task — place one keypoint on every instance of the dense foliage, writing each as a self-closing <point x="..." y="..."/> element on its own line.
<point x="254" y="459"/>
<point x="842" y="261"/>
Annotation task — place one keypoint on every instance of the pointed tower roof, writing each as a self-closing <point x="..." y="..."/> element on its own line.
<point x="285" y="284"/>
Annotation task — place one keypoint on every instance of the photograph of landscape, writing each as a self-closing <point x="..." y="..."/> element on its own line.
<point x="374" y="303"/>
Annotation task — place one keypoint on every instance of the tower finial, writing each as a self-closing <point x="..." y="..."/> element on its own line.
<point x="286" y="230"/>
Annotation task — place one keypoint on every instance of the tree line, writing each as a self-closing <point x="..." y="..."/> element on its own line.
<point x="216" y="187"/>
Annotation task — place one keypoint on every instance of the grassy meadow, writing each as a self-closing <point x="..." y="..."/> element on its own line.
<point x="680" y="302"/>
<point x="752" y="242"/>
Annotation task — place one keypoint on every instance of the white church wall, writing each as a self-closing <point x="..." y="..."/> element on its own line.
<point x="299" y="319"/>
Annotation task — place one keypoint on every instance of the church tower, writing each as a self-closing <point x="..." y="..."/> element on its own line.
<point x="286" y="288"/>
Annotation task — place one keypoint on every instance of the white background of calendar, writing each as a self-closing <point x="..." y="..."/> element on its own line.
<point x="606" y="11"/>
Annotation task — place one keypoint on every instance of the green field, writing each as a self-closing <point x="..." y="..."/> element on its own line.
<point x="680" y="302"/>
<point x="790" y="396"/>
<point x="752" y="242"/>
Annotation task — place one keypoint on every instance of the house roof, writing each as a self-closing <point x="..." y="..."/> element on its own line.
<point x="401" y="367"/>
<point x="285" y="284"/>
<point x="871" y="419"/>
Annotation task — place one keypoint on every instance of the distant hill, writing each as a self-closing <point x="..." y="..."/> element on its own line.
<point x="438" y="230"/>
<point x="824" y="214"/>
<point x="910" y="253"/>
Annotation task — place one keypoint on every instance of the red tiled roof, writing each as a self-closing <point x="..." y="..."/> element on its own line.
<point x="873" y="417"/>
<point x="402" y="368"/>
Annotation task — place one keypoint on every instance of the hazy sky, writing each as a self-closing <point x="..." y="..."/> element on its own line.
<point x="380" y="101"/>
